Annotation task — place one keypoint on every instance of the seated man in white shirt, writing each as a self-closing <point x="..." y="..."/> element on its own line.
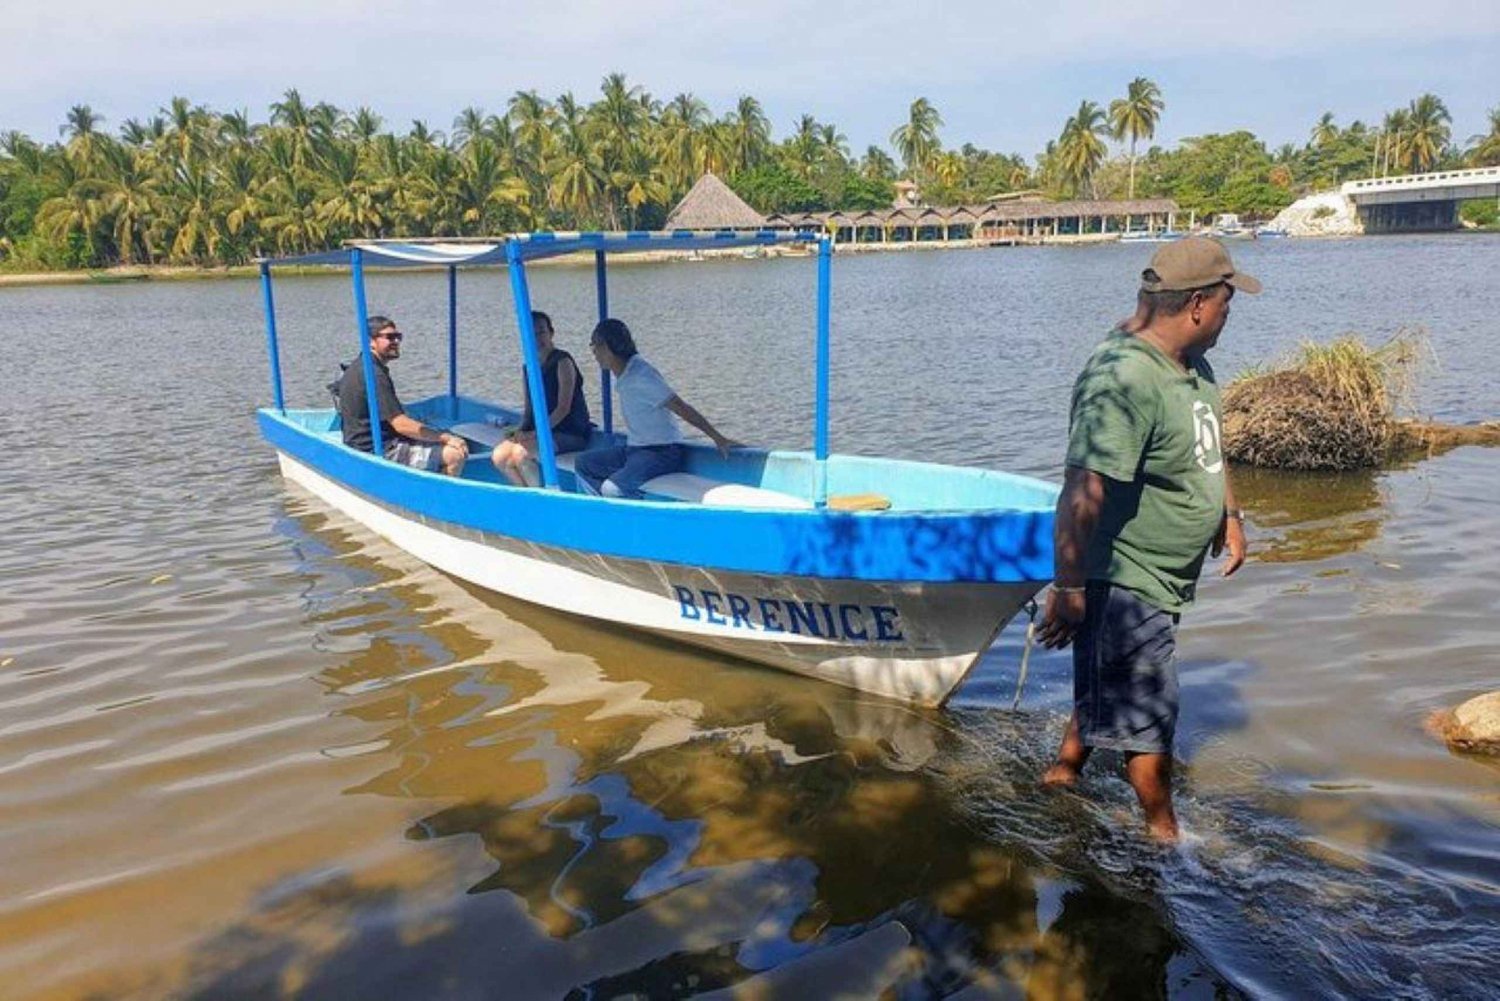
<point x="647" y="404"/>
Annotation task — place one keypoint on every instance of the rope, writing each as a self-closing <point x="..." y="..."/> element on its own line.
<point x="1025" y="653"/>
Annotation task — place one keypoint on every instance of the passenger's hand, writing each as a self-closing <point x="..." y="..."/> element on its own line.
<point x="1063" y="615"/>
<point x="725" y="445"/>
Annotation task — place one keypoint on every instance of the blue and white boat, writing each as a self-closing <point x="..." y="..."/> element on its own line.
<point x="744" y="555"/>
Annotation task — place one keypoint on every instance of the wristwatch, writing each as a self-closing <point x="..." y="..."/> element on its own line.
<point x="1237" y="513"/>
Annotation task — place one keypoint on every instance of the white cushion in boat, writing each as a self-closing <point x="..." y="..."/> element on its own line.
<point x="697" y="489"/>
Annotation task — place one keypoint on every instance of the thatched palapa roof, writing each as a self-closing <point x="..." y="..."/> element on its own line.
<point x="712" y="205"/>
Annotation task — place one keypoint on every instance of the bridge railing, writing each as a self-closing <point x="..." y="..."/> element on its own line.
<point x="1443" y="178"/>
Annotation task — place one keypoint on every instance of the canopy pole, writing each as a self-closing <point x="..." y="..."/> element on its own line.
<point x="271" y="349"/>
<point x="601" y="285"/>
<point x="453" y="342"/>
<point x="362" y="323"/>
<point x="541" y="415"/>
<point x="820" y="434"/>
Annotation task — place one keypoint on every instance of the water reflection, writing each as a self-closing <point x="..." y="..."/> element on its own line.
<point x="1301" y="517"/>
<point x="671" y="823"/>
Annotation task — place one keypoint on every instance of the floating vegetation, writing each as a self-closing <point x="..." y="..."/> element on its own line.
<point x="1335" y="407"/>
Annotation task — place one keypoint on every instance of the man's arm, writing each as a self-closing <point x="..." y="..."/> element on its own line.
<point x="682" y="409"/>
<point x="1231" y="535"/>
<point x="1078" y="510"/>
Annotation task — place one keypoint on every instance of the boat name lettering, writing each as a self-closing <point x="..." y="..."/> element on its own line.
<point x="826" y="620"/>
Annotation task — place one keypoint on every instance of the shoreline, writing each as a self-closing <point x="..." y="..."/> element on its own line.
<point x="130" y="274"/>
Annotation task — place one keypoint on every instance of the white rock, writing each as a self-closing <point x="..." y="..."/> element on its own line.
<point x="1326" y="214"/>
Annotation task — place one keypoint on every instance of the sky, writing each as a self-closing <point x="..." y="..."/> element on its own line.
<point x="1003" y="76"/>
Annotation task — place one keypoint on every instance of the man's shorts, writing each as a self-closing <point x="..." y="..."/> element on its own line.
<point x="1125" y="673"/>
<point x="416" y="454"/>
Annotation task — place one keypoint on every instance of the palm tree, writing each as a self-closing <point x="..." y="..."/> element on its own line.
<point x="72" y="217"/>
<point x="1079" y="148"/>
<point x="917" y="140"/>
<point x="128" y="192"/>
<point x="471" y="123"/>
<point x="364" y="126"/>
<point x="1485" y="148"/>
<point x="1427" y="133"/>
<point x="680" y="142"/>
<point x="1324" y="132"/>
<point x="804" y="147"/>
<point x="750" y="133"/>
<point x="877" y="165"/>
<point x="82" y="132"/>
<point x="1135" y="116"/>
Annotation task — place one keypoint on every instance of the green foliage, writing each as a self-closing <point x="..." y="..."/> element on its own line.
<point x="1484" y="213"/>
<point x="866" y="193"/>
<point x="772" y="187"/>
<point x="1231" y="172"/>
<point x="191" y="185"/>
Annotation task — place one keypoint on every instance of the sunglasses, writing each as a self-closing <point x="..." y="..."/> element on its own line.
<point x="390" y="335"/>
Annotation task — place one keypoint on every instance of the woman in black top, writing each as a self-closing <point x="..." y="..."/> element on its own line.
<point x="569" y="418"/>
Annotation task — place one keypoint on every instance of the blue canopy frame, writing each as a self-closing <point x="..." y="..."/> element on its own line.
<point x="514" y="252"/>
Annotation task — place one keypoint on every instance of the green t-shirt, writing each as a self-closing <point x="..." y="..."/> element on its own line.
<point x="1152" y="431"/>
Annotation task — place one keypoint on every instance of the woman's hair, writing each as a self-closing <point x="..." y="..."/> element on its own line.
<point x="616" y="337"/>
<point x="538" y="319"/>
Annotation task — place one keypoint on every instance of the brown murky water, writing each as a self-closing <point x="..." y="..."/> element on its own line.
<point x="248" y="750"/>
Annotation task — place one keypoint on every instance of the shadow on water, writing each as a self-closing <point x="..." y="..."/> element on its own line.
<point x="653" y="822"/>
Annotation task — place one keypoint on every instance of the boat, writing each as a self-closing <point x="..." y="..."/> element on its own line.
<point x="1269" y="232"/>
<point x="888" y="576"/>
<point x="1227" y="226"/>
<point x="1150" y="236"/>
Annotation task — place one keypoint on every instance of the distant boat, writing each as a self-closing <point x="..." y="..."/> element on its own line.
<point x="883" y="575"/>
<point x="111" y="278"/>
<point x="1270" y="233"/>
<point x="1150" y="236"/>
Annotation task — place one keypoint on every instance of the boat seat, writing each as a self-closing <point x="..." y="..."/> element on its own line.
<point x="695" y="489"/>
<point x="689" y="488"/>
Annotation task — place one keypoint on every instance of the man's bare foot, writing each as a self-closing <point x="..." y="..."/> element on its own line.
<point x="1164" y="833"/>
<point x="1060" y="775"/>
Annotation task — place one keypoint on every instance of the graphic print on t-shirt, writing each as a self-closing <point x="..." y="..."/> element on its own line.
<point x="1206" y="431"/>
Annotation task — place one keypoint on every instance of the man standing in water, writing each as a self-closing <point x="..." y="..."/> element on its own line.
<point x="1145" y="496"/>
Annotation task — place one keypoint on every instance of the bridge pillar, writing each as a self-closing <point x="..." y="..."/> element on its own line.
<point x="1410" y="217"/>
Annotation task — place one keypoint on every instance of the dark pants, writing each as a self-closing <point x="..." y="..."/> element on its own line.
<point x="1125" y="673"/>
<point x="620" y="471"/>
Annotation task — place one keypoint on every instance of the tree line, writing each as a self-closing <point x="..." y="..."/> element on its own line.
<point x="191" y="185"/>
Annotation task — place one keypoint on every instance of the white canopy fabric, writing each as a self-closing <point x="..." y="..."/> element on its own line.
<point x="406" y="254"/>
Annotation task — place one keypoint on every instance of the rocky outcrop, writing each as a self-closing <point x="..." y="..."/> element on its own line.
<point x="1327" y="214"/>
<point x="1473" y="727"/>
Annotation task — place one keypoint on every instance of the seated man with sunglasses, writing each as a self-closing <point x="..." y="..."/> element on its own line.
<point x="406" y="440"/>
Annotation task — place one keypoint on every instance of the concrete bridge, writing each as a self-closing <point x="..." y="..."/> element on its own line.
<point x="1419" y="202"/>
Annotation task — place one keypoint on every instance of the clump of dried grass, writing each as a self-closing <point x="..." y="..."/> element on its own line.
<point x="1331" y="406"/>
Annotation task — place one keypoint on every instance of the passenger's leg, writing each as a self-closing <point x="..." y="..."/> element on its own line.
<point x="592" y="468"/>
<point x="641" y="465"/>
<point x="507" y="458"/>
<point x="455" y="454"/>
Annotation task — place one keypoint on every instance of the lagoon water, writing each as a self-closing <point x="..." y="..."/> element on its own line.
<point x="249" y="750"/>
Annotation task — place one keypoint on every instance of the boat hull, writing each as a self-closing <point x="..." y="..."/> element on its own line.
<point x="909" y="640"/>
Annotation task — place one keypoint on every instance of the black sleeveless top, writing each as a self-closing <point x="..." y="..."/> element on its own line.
<point x="577" y="419"/>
